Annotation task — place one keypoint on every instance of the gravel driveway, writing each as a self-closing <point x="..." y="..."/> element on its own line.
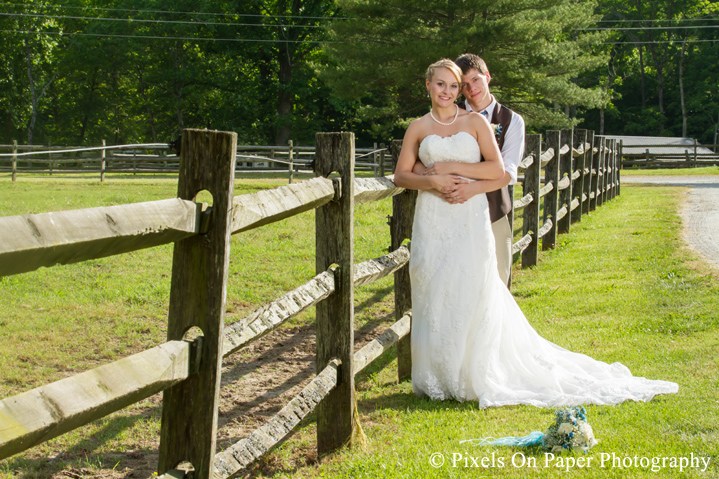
<point x="700" y="212"/>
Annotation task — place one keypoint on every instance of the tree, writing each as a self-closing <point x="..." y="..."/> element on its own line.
<point x="534" y="49"/>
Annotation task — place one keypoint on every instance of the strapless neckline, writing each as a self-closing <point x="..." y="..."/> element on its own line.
<point x="446" y="137"/>
<point x="461" y="147"/>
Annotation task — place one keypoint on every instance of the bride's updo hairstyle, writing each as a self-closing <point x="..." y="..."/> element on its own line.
<point x="444" y="63"/>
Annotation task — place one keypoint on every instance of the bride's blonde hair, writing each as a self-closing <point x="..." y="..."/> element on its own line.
<point x="444" y="63"/>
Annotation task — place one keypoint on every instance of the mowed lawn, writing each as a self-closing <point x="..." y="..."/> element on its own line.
<point x="620" y="287"/>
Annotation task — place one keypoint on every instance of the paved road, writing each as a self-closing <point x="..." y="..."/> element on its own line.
<point x="700" y="212"/>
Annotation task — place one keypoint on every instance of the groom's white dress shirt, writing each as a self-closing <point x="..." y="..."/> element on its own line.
<point x="513" y="148"/>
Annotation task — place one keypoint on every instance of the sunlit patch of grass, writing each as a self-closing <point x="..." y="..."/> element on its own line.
<point x="619" y="287"/>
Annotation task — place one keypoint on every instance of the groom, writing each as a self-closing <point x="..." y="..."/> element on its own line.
<point x="510" y="137"/>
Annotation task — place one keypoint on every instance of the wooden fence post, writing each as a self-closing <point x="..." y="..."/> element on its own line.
<point x="334" y="223"/>
<point x="695" y="152"/>
<point x="596" y="144"/>
<point x="588" y="164"/>
<point x="401" y="229"/>
<point x="601" y="145"/>
<point x="620" y="159"/>
<point x="580" y="138"/>
<point x="14" y="160"/>
<point x="102" y="163"/>
<point x="290" y="157"/>
<point x="551" y="199"/>
<point x="375" y="158"/>
<point x="381" y="159"/>
<point x="605" y="169"/>
<point x="197" y="298"/>
<point x="532" y="146"/>
<point x="49" y="156"/>
<point x="613" y="176"/>
<point x="565" y="171"/>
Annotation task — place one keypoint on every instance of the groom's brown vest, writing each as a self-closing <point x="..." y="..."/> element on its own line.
<point x="500" y="204"/>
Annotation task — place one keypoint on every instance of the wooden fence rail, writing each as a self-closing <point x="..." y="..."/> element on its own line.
<point x="160" y="158"/>
<point x="579" y="177"/>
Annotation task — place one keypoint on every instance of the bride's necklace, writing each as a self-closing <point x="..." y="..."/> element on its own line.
<point x="445" y="124"/>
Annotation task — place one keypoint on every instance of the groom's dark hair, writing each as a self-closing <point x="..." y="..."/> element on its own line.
<point x="467" y="61"/>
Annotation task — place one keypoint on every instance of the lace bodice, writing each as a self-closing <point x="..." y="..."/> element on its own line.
<point x="461" y="147"/>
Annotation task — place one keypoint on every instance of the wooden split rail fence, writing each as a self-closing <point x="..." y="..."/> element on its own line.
<point x="580" y="174"/>
<point x="158" y="158"/>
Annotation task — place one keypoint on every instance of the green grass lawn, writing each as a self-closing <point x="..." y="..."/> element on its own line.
<point x="704" y="170"/>
<point x="619" y="287"/>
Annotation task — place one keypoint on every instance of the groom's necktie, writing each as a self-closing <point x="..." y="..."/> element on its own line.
<point x="485" y="113"/>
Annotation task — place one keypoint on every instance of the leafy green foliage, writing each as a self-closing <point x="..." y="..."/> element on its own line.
<point x="532" y="47"/>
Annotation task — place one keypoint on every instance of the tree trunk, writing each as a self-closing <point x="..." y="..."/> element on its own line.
<point x="283" y="130"/>
<point x="659" y="65"/>
<point x="148" y="108"/>
<point x="178" y="85"/>
<point x="681" y="89"/>
<point x="33" y="98"/>
<point x="641" y="71"/>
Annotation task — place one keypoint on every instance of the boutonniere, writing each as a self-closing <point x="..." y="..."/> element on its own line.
<point x="497" y="129"/>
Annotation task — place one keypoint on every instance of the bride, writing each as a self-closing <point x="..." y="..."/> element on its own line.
<point x="470" y="340"/>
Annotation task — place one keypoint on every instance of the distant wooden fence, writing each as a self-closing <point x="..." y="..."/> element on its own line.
<point x="580" y="174"/>
<point x="691" y="157"/>
<point x="161" y="158"/>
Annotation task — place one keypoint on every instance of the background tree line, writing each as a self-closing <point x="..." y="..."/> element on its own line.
<point x="74" y="72"/>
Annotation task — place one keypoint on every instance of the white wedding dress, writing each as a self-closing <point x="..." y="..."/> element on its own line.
<point x="470" y="340"/>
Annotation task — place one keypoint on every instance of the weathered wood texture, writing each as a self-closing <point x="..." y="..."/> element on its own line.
<point x="618" y="165"/>
<point x="400" y="224"/>
<point x="197" y="299"/>
<point x="526" y="162"/>
<point x="603" y="174"/>
<point x="247" y="450"/>
<point x="521" y="245"/>
<point x="533" y="146"/>
<point x="334" y="224"/>
<point x="615" y="168"/>
<point x="546" y="227"/>
<point x="103" y="164"/>
<point x="596" y="167"/>
<point x="523" y="201"/>
<point x="29" y="242"/>
<point x="565" y="172"/>
<point x="374" y="189"/>
<point x="588" y="155"/>
<point x="382" y="343"/>
<point x="551" y="198"/>
<point x="546" y="189"/>
<point x="14" y="161"/>
<point x="268" y="206"/>
<point x="36" y="416"/>
<point x="547" y="156"/>
<point x="265" y="319"/>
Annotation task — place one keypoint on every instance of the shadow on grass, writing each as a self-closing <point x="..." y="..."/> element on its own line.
<point x="83" y="454"/>
<point x="377" y="297"/>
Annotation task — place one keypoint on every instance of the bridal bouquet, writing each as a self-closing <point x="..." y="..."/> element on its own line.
<point x="570" y="431"/>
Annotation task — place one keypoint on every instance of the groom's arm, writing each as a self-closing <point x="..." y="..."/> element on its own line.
<point x="492" y="185"/>
<point x="419" y="168"/>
